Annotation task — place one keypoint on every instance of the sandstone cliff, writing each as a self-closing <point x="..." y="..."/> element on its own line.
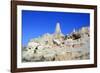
<point x="58" y="47"/>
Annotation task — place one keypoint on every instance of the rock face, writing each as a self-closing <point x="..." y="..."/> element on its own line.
<point x="58" y="30"/>
<point x="58" y="47"/>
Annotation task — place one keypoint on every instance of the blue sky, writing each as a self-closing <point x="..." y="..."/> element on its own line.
<point x="37" y="23"/>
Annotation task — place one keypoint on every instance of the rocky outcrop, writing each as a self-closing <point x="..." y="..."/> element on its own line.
<point x="58" y="47"/>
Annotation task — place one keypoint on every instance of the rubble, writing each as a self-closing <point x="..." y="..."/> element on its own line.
<point x="58" y="47"/>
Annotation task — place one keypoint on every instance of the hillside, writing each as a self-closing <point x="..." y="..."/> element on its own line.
<point x="58" y="47"/>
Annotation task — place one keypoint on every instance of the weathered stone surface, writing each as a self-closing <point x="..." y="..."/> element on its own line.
<point x="58" y="47"/>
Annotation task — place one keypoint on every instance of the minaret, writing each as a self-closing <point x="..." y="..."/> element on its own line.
<point x="58" y="30"/>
